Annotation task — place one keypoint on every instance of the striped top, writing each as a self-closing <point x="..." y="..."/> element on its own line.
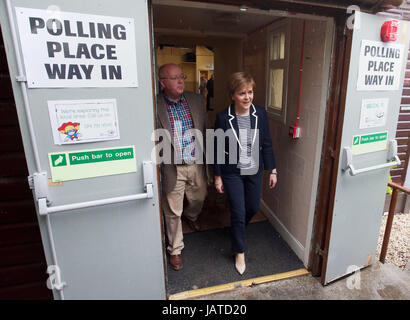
<point x="245" y="138"/>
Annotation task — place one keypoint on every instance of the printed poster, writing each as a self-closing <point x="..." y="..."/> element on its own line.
<point x="380" y="66"/>
<point x="72" y="50"/>
<point x="81" y="121"/>
<point x="373" y="113"/>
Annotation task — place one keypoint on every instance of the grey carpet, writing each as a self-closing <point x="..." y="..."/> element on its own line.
<point x="207" y="258"/>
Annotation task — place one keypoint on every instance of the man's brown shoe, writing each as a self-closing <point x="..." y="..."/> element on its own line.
<point x="175" y="261"/>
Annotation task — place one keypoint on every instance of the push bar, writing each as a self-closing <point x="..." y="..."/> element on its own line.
<point x="44" y="209"/>
<point x="347" y="161"/>
<point x="38" y="182"/>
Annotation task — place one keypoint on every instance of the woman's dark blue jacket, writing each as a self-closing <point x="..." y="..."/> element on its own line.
<point x="227" y="121"/>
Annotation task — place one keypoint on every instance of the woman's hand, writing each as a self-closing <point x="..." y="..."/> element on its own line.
<point x="273" y="178"/>
<point x="219" y="184"/>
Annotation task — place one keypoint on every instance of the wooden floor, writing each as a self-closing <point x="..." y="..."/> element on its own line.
<point x="215" y="213"/>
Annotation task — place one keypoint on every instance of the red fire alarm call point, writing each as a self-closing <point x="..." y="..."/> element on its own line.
<point x="389" y="31"/>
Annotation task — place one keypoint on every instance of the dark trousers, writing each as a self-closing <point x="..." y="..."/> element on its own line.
<point x="208" y="102"/>
<point x="244" y="193"/>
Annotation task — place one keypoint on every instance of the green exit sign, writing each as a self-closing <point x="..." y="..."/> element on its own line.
<point x="100" y="156"/>
<point x="58" y="160"/>
<point x="370" y="142"/>
<point x="84" y="164"/>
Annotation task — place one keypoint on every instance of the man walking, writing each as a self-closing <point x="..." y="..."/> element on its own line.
<point x="178" y="112"/>
<point x="210" y="94"/>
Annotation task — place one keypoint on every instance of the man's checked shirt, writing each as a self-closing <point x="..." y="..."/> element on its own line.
<point x="181" y="120"/>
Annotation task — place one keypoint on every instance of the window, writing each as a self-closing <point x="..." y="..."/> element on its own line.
<point x="278" y="66"/>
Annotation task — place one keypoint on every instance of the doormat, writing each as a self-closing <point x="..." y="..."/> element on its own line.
<point x="207" y="259"/>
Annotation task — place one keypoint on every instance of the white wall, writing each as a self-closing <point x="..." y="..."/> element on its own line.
<point x="290" y="206"/>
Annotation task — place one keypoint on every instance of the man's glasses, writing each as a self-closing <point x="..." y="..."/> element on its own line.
<point x="180" y="77"/>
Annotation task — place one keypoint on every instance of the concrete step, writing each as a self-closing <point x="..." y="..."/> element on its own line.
<point x="376" y="282"/>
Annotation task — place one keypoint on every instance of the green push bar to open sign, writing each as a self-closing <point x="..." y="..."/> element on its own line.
<point x="76" y="158"/>
<point x="370" y="138"/>
<point x="83" y="164"/>
<point x="367" y="143"/>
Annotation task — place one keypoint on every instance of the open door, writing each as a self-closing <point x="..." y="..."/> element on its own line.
<point x="82" y="81"/>
<point x="367" y="147"/>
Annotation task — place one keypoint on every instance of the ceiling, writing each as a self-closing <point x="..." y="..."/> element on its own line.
<point x="365" y="5"/>
<point x="223" y="18"/>
<point x="208" y="21"/>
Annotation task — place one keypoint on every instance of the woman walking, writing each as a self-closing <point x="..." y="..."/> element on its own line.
<point x="242" y="180"/>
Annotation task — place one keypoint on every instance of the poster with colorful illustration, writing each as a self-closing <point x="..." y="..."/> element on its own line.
<point x="80" y="121"/>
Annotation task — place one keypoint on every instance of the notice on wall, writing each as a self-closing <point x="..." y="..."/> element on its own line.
<point x="64" y="49"/>
<point x="380" y="66"/>
<point x="80" y="121"/>
<point x="371" y="142"/>
<point x="373" y="113"/>
<point x="84" y="164"/>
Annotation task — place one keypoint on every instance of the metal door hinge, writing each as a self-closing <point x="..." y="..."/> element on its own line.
<point x="331" y="153"/>
<point x="21" y="79"/>
<point x="320" y="252"/>
<point x="39" y="183"/>
<point x="30" y="182"/>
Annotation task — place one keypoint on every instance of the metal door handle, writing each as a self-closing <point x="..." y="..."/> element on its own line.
<point x="347" y="161"/>
<point x="43" y="198"/>
<point x="44" y="209"/>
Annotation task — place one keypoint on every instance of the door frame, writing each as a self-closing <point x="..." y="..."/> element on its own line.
<point x="155" y="117"/>
<point x="319" y="224"/>
<point x="331" y="149"/>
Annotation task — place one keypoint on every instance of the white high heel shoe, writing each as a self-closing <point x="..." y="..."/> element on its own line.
<point x="239" y="266"/>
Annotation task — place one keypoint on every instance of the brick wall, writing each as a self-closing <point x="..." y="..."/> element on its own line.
<point x="403" y="126"/>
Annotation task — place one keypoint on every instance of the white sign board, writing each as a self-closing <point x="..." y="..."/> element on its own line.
<point x="380" y="65"/>
<point x="373" y="113"/>
<point x="79" y="121"/>
<point x="64" y="49"/>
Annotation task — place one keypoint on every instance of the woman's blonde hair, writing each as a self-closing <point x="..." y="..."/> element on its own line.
<point x="238" y="80"/>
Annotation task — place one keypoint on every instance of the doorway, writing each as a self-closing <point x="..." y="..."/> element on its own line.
<point x="269" y="47"/>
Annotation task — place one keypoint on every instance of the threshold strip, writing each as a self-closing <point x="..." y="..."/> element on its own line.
<point x="239" y="284"/>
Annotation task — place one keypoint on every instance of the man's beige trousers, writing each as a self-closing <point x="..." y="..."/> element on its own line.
<point x="192" y="183"/>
